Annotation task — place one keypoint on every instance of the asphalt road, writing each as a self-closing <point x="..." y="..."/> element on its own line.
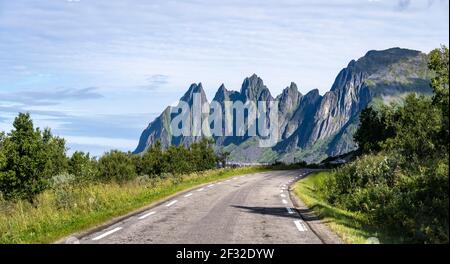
<point x="253" y="208"/>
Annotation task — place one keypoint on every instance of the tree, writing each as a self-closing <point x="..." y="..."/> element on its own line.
<point x="202" y="154"/>
<point x="55" y="147"/>
<point x="177" y="160"/>
<point x="116" y="166"/>
<point x="439" y="64"/>
<point x="222" y="158"/>
<point x="2" y="138"/>
<point x="374" y="129"/>
<point x="82" y="166"/>
<point x="27" y="159"/>
<point x="417" y="125"/>
<point x="153" y="159"/>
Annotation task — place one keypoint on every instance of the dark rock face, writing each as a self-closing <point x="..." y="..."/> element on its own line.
<point x="311" y="126"/>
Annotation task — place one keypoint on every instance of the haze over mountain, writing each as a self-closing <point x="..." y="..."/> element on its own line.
<point x="311" y="126"/>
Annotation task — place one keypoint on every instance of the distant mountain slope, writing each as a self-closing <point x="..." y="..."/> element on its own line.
<point x="311" y="126"/>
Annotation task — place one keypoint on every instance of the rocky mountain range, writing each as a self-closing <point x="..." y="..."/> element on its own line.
<point x="311" y="126"/>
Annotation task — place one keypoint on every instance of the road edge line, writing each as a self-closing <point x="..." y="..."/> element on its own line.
<point x="296" y="202"/>
<point x="115" y="220"/>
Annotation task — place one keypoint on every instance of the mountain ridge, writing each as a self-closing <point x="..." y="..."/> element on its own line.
<point x="311" y="126"/>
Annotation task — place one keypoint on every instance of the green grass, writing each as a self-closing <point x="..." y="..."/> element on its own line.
<point x="350" y="226"/>
<point x="64" y="211"/>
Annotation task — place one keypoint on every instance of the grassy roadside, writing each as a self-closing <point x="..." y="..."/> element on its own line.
<point x="350" y="226"/>
<point x="61" y="212"/>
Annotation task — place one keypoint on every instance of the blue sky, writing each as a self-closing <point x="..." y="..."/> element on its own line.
<point x="98" y="71"/>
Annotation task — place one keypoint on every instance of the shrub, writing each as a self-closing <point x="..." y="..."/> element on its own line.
<point x="116" y="166"/>
<point x="83" y="167"/>
<point x="29" y="159"/>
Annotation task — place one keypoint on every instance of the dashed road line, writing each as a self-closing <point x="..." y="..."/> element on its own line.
<point x="284" y="201"/>
<point x="187" y="195"/>
<point x="211" y="185"/>
<point x="172" y="203"/>
<point x="201" y="189"/>
<point x="107" y="233"/>
<point x="283" y="195"/>
<point x="146" y="215"/>
<point x="300" y="225"/>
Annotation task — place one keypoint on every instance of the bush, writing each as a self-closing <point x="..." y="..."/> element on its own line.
<point x="28" y="160"/>
<point x="83" y="167"/>
<point x="116" y="166"/>
<point x="352" y="185"/>
<point x="409" y="204"/>
<point x="418" y="207"/>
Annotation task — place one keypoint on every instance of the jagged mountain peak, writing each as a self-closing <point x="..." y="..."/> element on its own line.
<point x="313" y="93"/>
<point x="193" y="88"/>
<point x="311" y="126"/>
<point x="223" y="94"/>
<point x="291" y="89"/>
<point x="289" y="98"/>
<point x="253" y="88"/>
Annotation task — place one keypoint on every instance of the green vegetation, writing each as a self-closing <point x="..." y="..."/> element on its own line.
<point x="28" y="159"/>
<point x="352" y="227"/>
<point x="399" y="184"/>
<point x="45" y="195"/>
<point x="68" y="208"/>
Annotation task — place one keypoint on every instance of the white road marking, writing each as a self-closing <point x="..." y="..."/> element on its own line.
<point x="289" y="210"/>
<point x="187" y="195"/>
<point x="281" y="190"/>
<point x="199" y="190"/>
<point x="146" y="215"/>
<point x="211" y="185"/>
<point x="107" y="233"/>
<point x="172" y="203"/>
<point x="283" y="195"/>
<point x="284" y="201"/>
<point x="227" y="180"/>
<point x="300" y="226"/>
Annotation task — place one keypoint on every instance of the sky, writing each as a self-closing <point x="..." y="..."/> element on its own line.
<point x="98" y="71"/>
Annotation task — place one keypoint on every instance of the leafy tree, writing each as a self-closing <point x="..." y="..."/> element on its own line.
<point x="82" y="166"/>
<point x="222" y="158"/>
<point x="116" y="166"/>
<point x="417" y="124"/>
<point x="2" y="138"/>
<point x="438" y="63"/>
<point x="29" y="159"/>
<point x="55" y="147"/>
<point x="153" y="159"/>
<point x="374" y="129"/>
<point x="177" y="160"/>
<point x="202" y="154"/>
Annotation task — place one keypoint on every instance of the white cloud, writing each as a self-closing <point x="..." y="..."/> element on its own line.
<point x="165" y="45"/>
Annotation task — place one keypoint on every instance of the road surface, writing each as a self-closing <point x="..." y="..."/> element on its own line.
<point x="254" y="208"/>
